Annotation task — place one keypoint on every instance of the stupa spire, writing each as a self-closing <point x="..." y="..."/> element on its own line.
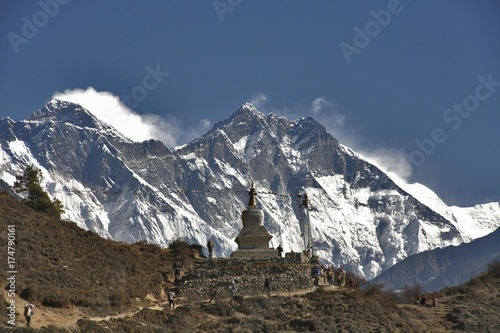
<point x="252" y="202"/>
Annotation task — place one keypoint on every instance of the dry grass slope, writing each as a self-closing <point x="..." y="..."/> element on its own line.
<point x="61" y="265"/>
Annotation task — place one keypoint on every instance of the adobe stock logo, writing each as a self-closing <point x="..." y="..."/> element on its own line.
<point x="150" y="82"/>
<point x="40" y="19"/>
<point x="372" y="29"/>
<point x="455" y="117"/>
<point x="222" y="6"/>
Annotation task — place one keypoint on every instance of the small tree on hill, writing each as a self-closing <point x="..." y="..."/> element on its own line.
<point x="28" y="185"/>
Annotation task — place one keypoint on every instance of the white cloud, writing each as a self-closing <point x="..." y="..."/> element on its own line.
<point x="390" y="160"/>
<point x="318" y="104"/>
<point x="259" y="100"/>
<point x="205" y="124"/>
<point x="110" y="109"/>
<point x="326" y="109"/>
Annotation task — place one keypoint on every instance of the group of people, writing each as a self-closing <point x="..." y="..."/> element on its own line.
<point x="329" y="275"/>
<point x="422" y="300"/>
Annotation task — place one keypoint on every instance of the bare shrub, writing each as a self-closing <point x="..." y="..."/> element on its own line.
<point x="57" y="299"/>
<point x="410" y="293"/>
<point x="494" y="269"/>
<point x="386" y="299"/>
<point x="180" y="250"/>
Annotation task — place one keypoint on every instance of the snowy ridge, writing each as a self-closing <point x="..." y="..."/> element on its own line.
<point x="128" y="191"/>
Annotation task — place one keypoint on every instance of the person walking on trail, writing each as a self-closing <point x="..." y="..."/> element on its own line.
<point x="351" y="283"/>
<point x="423" y="300"/>
<point x="316" y="274"/>
<point x="177" y="270"/>
<point x="267" y="286"/>
<point x="170" y="298"/>
<point x="344" y="273"/>
<point x="210" y="246"/>
<point x="329" y="276"/>
<point x="213" y="295"/>
<point x="234" y="287"/>
<point x="339" y="277"/>
<point x="280" y="251"/>
<point x="28" y="313"/>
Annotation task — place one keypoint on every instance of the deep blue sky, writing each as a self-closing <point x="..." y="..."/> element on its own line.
<point x="393" y="88"/>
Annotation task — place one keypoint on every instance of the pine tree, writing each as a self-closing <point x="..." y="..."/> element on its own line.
<point x="28" y="185"/>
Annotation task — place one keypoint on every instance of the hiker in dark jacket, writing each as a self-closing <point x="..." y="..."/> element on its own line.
<point x="280" y="251"/>
<point x="267" y="286"/>
<point x="170" y="297"/>
<point x="210" y="246"/>
<point x="28" y="313"/>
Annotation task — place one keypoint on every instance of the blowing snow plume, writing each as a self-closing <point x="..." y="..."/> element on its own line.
<point x="110" y="109"/>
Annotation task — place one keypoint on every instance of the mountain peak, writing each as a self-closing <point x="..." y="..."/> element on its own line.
<point x="66" y="112"/>
<point x="248" y="108"/>
<point x="246" y="116"/>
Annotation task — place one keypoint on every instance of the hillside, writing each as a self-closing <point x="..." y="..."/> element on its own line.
<point x="60" y="265"/>
<point x="82" y="283"/>
<point x="438" y="268"/>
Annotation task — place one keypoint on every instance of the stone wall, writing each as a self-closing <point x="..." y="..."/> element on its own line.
<point x="250" y="273"/>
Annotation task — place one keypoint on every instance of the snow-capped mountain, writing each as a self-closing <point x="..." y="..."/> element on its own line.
<point x="131" y="191"/>
<point x="439" y="268"/>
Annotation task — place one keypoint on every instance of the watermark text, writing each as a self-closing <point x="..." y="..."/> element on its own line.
<point x="372" y="29"/>
<point x="150" y="81"/>
<point x="11" y="275"/>
<point x="39" y="19"/>
<point x="453" y="116"/>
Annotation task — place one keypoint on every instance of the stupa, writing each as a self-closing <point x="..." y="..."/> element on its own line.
<point x="253" y="239"/>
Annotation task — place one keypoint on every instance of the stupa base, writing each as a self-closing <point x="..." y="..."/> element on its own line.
<point x="268" y="253"/>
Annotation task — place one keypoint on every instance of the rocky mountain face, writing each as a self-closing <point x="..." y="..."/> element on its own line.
<point x="131" y="191"/>
<point x="440" y="268"/>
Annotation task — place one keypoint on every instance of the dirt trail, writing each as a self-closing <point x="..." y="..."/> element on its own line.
<point x="64" y="317"/>
<point x="432" y="316"/>
<point x="68" y="317"/>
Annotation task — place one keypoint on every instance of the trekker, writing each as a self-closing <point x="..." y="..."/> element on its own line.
<point x="435" y="302"/>
<point x="339" y="277"/>
<point x="351" y="283"/>
<point x="28" y="313"/>
<point x="344" y="273"/>
<point x="170" y="297"/>
<point x="213" y="295"/>
<point x="267" y="286"/>
<point x="234" y="287"/>
<point x="329" y="275"/>
<point x="280" y="251"/>
<point x="210" y="246"/>
<point x="423" y="300"/>
<point x="177" y="270"/>
<point x="316" y="274"/>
